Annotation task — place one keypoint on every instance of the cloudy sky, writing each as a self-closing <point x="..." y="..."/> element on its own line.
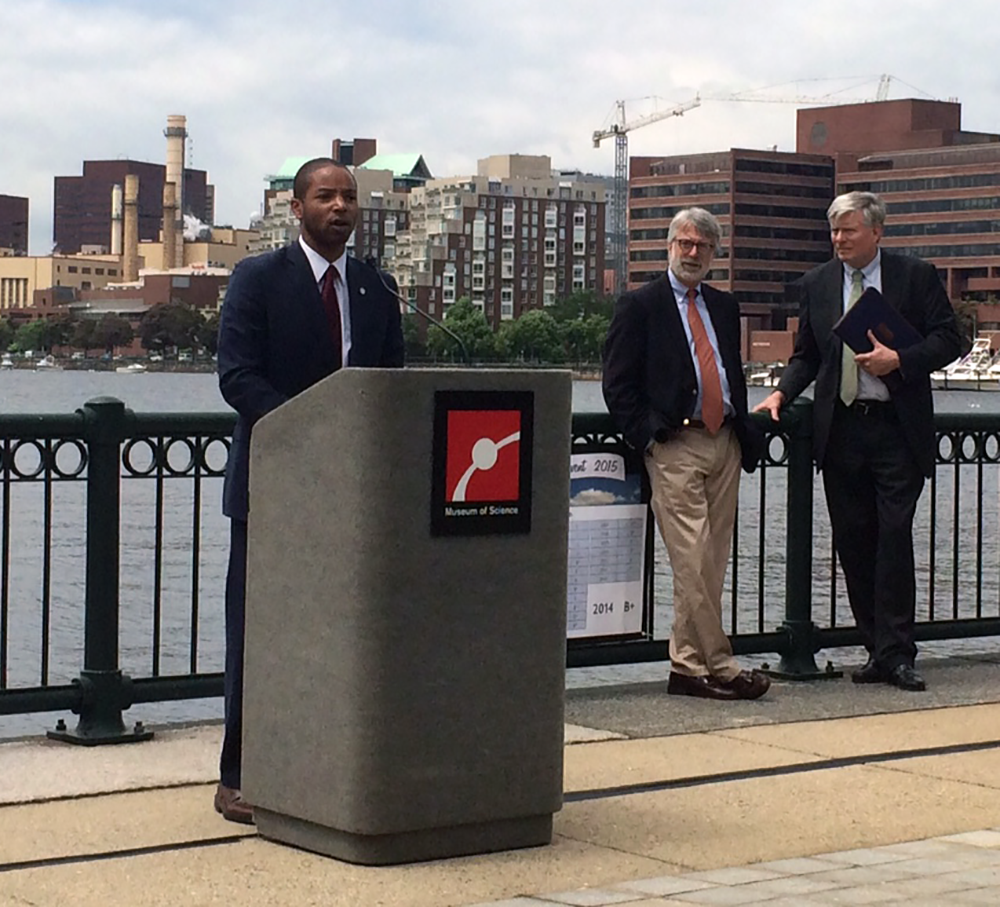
<point x="454" y="80"/>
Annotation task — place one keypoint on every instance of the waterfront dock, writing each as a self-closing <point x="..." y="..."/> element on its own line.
<point x="821" y="793"/>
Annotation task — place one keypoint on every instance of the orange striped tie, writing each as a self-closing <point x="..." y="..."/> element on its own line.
<point x="711" y="386"/>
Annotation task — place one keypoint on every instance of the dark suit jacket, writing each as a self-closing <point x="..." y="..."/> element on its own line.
<point x="274" y="342"/>
<point x="650" y="383"/>
<point x="913" y="288"/>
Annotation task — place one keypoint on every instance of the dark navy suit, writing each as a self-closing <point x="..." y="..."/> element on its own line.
<point x="274" y="342"/>
<point x="874" y="459"/>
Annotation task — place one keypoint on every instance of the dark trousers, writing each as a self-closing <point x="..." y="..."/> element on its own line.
<point x="872" y="485"/>
<point x="230" y="762"/>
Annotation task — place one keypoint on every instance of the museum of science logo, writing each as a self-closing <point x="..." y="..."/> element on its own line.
<point x="481" y="474"/>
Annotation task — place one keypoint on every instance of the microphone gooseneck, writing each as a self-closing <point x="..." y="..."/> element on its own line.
<point x="466" y="358"/>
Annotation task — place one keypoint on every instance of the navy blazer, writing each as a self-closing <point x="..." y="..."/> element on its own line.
<point x="913" y="288"/>
<point x="650" y="383"/>
<point x="275" y="341"/>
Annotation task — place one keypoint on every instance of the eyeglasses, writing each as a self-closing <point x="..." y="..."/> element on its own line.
<point x="689" y="245"/>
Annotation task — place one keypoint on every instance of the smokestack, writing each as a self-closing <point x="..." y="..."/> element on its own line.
<point x="130" y="267"/>
<point x="116" y="219"/>
<point x="176" y="133"/>
<point x="169" y="226"/>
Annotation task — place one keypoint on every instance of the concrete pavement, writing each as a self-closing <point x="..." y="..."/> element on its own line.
<point x="823" y="793"/>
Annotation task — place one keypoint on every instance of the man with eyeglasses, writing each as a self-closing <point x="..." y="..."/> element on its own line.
<point x="873" y="424"/>
<point x="673" y="381"/>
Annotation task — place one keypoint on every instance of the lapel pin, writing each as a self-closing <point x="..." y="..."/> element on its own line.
<point x="362" y="291"/>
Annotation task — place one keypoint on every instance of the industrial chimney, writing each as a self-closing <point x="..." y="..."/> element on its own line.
<point x="116" y="219"/>
<point x="176" y="133"/>
<point x="130" y="266"/>
<point x="169" y="226"/>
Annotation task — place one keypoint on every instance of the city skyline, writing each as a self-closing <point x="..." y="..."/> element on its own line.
<point x="95" y="79"/>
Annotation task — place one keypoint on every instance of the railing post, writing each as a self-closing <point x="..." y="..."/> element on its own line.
<point x="105" y="690"/>
<point x="798" y="660"/>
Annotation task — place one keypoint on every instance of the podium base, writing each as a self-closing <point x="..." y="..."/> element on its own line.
<point x="404" y="847"/>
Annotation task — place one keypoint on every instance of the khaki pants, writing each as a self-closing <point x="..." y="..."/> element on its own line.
<point x="695" y="480"/>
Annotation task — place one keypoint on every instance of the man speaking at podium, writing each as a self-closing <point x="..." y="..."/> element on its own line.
<point x="290" y="318"/>
<point x="873" y="424"/>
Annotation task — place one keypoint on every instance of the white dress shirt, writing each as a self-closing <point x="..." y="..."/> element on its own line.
<point x="319" y="267"/>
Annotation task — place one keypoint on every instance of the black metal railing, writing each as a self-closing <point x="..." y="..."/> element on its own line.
<point x="143" y="491"/>
<point x="82" y="466"/>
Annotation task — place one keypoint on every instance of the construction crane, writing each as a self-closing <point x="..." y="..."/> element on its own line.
<point x="620" y="130"/>
<point x="881" y="94"/>
<point x="622" y="126"/>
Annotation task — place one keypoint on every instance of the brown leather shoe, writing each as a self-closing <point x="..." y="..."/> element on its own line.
<point x="705" y="687"/>
<point x="748" y="685"/>
<point x="231" y="805"/>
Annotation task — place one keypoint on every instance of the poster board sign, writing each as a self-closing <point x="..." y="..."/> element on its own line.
<point x="607" y="548"/>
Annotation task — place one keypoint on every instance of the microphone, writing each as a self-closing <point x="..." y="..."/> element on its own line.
<point x="466" y="358"/>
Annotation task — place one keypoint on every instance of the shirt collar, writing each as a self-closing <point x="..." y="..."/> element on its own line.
<point x="868" y="271"/>
<point x="680" y="289"/>
<point x="319" y="264"/>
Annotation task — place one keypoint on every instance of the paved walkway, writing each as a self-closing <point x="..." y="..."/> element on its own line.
<point x="820" y="794"/>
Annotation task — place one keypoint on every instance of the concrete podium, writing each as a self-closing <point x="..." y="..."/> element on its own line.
<point x="405" y="633"/>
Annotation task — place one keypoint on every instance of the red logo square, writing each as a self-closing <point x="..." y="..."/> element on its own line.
<point x="483" y="456"/>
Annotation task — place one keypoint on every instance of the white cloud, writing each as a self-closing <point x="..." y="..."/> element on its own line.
<point x="453" y="80"/>
<point x="590" y="497"/>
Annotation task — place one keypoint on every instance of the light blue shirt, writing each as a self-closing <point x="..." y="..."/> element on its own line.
<point x="680" y="295"/>
<point x="869" y="387"/>
<point x="319" y="267"/>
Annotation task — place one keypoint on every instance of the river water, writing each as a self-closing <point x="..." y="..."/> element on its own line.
<point x="24" y="391"/>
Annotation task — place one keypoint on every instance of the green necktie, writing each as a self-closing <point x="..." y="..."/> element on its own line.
<point x="849" y="369"/>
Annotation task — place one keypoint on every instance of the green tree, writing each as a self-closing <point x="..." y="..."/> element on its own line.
<point x="583" y="338"/>
<point x="469" y="323"/>
<point x="534" y="337"/>
<point x="6" y="334"/>
<point x="113" y="331"/>
<point x="580" y="305"/>
<point x="83" y="335"/>
<point x="169" y="325"/>
<point x="32" y="335"/>
<point x="414" y="346"/>
<point x="59" y="330"/>
<point x="965" y="317"/>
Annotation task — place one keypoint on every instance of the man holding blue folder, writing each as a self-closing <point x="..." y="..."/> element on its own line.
<point x="873" y="421"/>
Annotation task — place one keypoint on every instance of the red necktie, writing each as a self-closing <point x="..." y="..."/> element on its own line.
<point x="333" y="310"/>
<point x="711" y="386"/>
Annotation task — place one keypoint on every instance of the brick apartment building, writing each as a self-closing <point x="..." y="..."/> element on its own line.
<point x="13" y="225"/>
<point x="82" y="207"/>
<point x="514" y="237"/>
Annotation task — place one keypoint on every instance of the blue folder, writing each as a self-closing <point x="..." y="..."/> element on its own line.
<point x="872" y="313"/>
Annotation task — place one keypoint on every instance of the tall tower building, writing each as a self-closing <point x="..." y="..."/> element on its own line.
<point x="176" y="133"/>
<point x="14" y="224"/>
<point x="116" y="219"/>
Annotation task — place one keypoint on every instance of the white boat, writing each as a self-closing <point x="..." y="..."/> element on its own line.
<point x="764" y="375"/>
<point x="47" y="364"/>
<point x="975" y="370"/>
<point x="135" y="368"/>
<point x="6" y="362"/>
